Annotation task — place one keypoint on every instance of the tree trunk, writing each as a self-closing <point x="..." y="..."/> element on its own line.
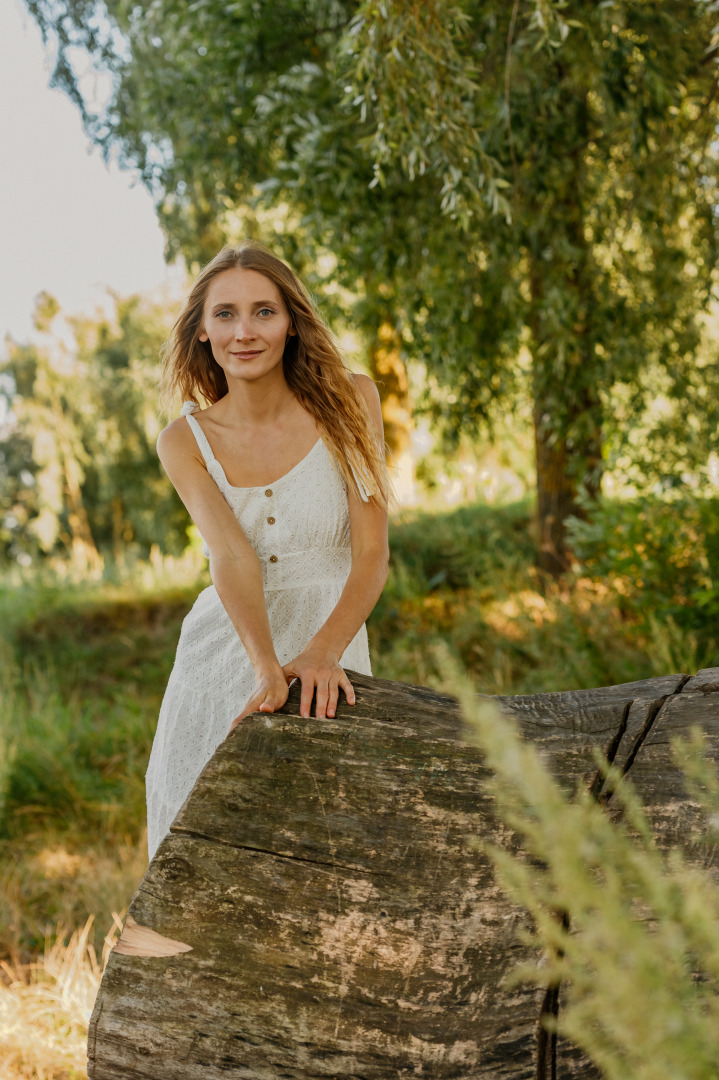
<point x="556" y="494"/>
<point x="390" y="374"/>
<point x="564" y="463"/>
<point x="567" y="404"/>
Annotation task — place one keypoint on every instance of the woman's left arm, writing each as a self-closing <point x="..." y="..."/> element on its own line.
<point x="318" y="665"/>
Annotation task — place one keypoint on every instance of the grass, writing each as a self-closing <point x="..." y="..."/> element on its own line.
<point x="84" y="667"/>
<point x="45" y="1008"/>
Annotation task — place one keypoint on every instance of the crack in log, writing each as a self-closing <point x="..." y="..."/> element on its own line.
<point x="595" y="788"/>
<point x="178" y="829"/>
<point x="654" y="710"/>
<point x="683" y="683"/>
<point x="546" y="1039"/>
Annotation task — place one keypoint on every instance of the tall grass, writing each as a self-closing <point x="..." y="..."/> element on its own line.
<point x="45" y="1007"/>
<point x="636" y="951"/>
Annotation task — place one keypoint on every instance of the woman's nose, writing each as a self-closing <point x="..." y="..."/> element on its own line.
<point x="244" y="330"/>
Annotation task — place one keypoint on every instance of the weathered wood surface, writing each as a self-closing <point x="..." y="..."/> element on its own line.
<point x="319" y="910"/>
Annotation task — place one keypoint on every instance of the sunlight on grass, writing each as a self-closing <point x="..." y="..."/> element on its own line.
<point x="45" y="1007"/>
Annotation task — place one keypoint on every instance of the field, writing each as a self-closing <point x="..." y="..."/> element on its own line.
<point x="84" y="669"/>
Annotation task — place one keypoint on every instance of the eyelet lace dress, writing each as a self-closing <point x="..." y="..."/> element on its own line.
<point x="299" y="526"/>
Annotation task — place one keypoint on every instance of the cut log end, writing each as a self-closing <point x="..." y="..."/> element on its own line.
<point x="136" y="940"/>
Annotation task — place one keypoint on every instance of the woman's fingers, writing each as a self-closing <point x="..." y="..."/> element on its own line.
<point x="321" y="681"/>
<point x="308" y="692"/>
<point x="332" y="697"/>
<point x="348" y="688"/>
<point x="263" y="700"/>
<point x="323" y="697"/>
<point x="325" y="691"/>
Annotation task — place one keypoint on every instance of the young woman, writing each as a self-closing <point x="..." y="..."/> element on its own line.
<point x="283" y="473"/>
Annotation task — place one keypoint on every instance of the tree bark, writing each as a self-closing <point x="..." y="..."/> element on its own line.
<point x="563" y="465"/>
<point x="388" y="370"/>
<point x="567" y="402"/>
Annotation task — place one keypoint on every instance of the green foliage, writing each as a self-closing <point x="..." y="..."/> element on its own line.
<point x="78" y="462"/>
<point x="660" y="551"/>
<point x="639" y="948"/>
<point x="399" y="55"/>
<point x="84" y="669"/>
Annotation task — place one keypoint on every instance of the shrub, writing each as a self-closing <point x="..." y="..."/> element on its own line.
<point x="660" y="552"/>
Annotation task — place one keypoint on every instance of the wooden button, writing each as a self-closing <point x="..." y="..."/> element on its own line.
<point x="268" y="492"/>
<point x="270" y="521"/>
<point x="273" y="558"/>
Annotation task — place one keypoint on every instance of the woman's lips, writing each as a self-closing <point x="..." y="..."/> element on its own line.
<point x="247" y="354"/>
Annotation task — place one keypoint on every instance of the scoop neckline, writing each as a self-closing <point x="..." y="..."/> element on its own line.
<point x="256" y="487"/>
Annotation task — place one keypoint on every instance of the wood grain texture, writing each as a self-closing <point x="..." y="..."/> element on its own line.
<point x="341" y="920"/>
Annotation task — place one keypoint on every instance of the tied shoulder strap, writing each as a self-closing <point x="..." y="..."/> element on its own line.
<point x="200" y="437"/>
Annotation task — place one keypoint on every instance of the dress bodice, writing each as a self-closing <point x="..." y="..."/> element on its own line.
<point x="298" y="525"/>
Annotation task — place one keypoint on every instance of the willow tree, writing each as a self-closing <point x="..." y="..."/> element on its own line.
<point x="486" y="175"/>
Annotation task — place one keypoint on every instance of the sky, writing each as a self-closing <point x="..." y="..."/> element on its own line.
<point x="69" y="225"/>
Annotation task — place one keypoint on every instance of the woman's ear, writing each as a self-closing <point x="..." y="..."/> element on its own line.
<point x="290" y="333"/>
<point x="203" y="336"/>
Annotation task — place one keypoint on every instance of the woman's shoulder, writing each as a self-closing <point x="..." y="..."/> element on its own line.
<point x="370" y="393"/>
<point x="175" y="439"/>
<point x="364" y="384"/>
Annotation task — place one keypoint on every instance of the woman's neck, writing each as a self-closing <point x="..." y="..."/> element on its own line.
<point x="258" y="403"/>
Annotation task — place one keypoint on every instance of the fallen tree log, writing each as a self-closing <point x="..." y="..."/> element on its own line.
<point x="319" y="909"/>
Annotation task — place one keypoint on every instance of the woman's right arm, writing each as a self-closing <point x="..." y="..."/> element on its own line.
<point x="234" y="565"/>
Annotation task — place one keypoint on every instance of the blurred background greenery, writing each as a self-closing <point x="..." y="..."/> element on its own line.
<point x="508" y="214"/>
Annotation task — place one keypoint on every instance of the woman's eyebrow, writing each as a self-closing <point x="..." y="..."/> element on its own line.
<point x="255" y="303"/>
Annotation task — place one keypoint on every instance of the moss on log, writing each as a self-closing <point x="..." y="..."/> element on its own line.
<point x="319" y="908"/>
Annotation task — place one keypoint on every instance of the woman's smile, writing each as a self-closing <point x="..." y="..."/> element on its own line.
<point x="246" y="354"/>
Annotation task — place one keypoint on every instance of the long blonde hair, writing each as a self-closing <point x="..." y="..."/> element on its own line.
<point x="312" y="363"/>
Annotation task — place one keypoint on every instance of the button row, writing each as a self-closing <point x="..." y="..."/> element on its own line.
<point x="270" y="521"/>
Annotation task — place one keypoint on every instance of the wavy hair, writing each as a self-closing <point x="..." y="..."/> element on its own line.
<point x="313" y="367"/>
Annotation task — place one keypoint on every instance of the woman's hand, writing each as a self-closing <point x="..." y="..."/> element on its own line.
<point x="319" y="670"/>
<point x="269" y="693"/>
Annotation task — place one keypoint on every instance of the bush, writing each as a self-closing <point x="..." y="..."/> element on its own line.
<point x="660" y="552"/>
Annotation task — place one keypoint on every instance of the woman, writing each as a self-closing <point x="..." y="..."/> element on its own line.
<point x="283" y="473"/>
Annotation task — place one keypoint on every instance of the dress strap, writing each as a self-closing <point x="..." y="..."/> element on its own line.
<point x="202" y="440"/>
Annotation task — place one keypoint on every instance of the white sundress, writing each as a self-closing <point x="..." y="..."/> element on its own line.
<point x="299" y="526"/>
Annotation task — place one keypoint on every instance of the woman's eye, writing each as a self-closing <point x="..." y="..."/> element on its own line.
<point x="221" y="313"/>
<point x="266" y="311"/>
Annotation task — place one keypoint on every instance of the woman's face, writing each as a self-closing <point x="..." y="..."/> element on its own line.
<point x="246" y="323"/>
